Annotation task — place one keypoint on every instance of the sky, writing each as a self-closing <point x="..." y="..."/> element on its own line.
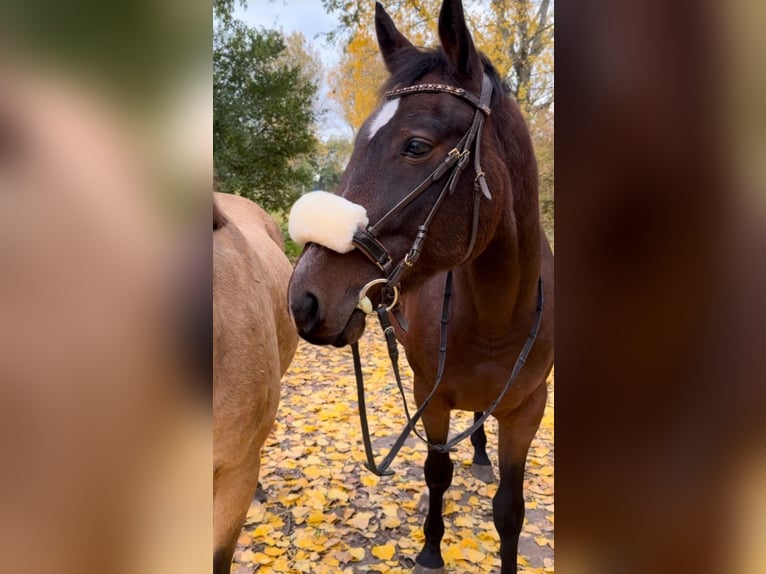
<point x="308" y="17"/>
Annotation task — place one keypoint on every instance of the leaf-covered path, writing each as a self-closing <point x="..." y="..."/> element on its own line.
<point x="327" y="514"/>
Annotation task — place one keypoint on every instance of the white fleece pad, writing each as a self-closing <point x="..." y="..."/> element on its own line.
<point x="326" y="219"/>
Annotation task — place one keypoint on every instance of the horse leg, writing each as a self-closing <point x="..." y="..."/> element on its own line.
<point x="232" y="493"/>
<point x="516" y="432"/>
<point x="482" y="466"/>
<point x="438" y="474"/>
<point x="260" y="493"/>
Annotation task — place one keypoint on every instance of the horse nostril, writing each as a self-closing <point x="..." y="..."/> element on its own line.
<point x="305" y="308"/>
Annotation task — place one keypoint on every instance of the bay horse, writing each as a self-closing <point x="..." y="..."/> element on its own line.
<point x="411" y="221"/>
<point x="254" y="340"/>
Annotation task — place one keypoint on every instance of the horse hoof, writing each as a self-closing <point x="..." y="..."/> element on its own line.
<point x="483" y="472"/>
<point x="425" y="570"/>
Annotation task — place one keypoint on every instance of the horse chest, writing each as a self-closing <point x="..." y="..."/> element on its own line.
<point x="475" y="371"/>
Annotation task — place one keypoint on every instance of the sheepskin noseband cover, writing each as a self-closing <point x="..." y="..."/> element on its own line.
<point x="326" y="219"/>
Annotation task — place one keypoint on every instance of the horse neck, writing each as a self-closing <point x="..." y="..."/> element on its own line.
<point x="500" y="284"/>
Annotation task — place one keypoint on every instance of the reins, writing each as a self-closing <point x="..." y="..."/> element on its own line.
<point x="367" y="242"/>
<point x="393" y="353"/>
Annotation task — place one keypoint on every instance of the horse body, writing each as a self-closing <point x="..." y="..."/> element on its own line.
<point x="491" y="241"/>
<point x="254" y="340"/>
<point x="475" y="374"/>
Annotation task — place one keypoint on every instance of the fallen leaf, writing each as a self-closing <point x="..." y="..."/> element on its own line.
<point x="385" y="552"/>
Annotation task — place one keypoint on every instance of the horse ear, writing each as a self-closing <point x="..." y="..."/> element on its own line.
<point x="456" y="39"/>
<point x="390" y="40"/>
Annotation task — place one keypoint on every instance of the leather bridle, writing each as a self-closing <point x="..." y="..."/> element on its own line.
<point x="366" y="240"/>
<point x="452" y="166"/>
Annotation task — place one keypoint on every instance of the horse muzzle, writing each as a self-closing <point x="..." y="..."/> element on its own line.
<point x="308" y="314"/>
<point x="324" y="314"/>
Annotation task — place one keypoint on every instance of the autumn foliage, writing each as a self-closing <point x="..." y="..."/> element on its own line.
<point x="326" y="513"/>
<point x="516" y="35"/>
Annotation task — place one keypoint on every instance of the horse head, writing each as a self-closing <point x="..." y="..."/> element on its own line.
<point x="414" y="199"/>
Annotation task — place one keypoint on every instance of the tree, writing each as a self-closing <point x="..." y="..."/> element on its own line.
<point x="357" y="78"/>
<point x="518" y="38"/>
<point x="517" y="35"/>
<point x="541" y="127"/>
<point x="263" y="113"/>
<point x="332" y="157"/>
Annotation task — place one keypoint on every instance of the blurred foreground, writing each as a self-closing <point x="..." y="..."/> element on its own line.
<point x="105" y="179"/>
<point x="660" y="279"/>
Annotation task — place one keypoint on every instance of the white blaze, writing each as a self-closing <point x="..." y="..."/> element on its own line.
<point x="383" y="116"/>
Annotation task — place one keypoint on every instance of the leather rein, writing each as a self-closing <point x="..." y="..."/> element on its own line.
<point x="367" y="242"/>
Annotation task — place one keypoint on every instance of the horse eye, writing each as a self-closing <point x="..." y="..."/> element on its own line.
<point x="416" y="148"/>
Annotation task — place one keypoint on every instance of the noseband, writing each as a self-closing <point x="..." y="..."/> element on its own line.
<point x="452" y="166"/>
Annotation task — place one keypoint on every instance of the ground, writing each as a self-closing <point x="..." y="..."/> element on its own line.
<point x="326" y="513"/>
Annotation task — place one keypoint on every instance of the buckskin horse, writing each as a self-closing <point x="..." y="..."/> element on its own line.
<point x="254" y="340"/>
<point x="436" y="228"/>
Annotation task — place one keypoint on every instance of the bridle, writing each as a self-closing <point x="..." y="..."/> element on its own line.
<point x="452" y="166"/>
<point x="366" y="240"/>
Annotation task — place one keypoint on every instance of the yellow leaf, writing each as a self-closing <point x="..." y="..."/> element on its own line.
<point x="274" y="551"/>
<point x="315" y="518"/>
<point x="337" y="494"/>
<point x="261" y="558"/>
<point x="356" y="553"/>
<point x="280" y="565"/>
<point x="309" y="542"/>
<point x="390" y="522"/>
<point x="384" y="552"/>
<point x="312" y="472"/>
<point x="474" y="556"/>
<point x="452" y="553"/>
<point x="390" y="509"/>
<point x="369" y="480"/>
<point x="361" y="520"/>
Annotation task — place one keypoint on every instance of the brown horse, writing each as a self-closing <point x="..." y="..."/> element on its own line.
<point x="409" y="209"/>
<point x="254" y="340"/>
